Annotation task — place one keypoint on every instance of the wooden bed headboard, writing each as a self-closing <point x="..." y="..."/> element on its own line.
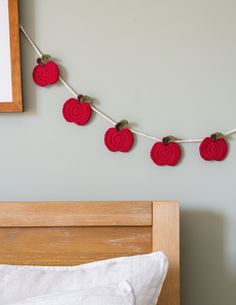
<point x="72" y="233"/>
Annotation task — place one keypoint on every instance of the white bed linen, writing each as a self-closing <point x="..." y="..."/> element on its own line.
<point x="145" y="273"/>
<point x="120" y="294"/>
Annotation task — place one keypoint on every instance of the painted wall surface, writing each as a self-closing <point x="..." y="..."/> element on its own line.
<point x="169" y="67"/>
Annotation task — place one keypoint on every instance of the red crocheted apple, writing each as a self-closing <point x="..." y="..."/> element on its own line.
<point x="166" y="152"/>
<point x="46" y="72"/>
<point x="214" y="148"/>
<point x="119" y="138"/>
<point x="77" y="111"/>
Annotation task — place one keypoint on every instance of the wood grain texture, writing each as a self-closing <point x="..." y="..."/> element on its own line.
<point x="165" y="237"/>
<point x="51" y="214"/>
<point x="72" y="233"/>
<point x="71" y="245"/>
<point x="16" y="105"/>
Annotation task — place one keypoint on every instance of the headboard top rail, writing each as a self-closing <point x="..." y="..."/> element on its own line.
<point x="51" y="214"/>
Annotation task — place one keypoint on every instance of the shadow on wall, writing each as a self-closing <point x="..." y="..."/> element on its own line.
<point x="204" y="276"/>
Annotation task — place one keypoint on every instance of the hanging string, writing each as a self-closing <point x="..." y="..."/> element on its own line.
<point x="103" y="115"/>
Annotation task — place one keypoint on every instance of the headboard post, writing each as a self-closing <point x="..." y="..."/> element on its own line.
<point x="165" y="237"/>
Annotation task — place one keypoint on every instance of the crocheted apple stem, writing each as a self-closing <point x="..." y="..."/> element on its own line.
<point x="217" y="135"/>
<point x="168" y="139"/>
<point x="85" y="98"/>
<point x="44" y="59"/>
<point x="120" y="125"/>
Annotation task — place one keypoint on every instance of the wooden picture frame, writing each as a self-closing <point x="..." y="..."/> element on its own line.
<point x="10" y="80"/>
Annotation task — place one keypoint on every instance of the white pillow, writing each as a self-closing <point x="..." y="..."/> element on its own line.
<point x="121" y="294"/>
<point x="146" y="274"/>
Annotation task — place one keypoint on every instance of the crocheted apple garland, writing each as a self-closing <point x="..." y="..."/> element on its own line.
<point x="166" y="152"/>
<point x="120" y="138"/>
<point x="46" y="72"/>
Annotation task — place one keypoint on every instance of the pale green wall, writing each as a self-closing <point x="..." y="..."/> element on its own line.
<point x="170" y="67"/>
